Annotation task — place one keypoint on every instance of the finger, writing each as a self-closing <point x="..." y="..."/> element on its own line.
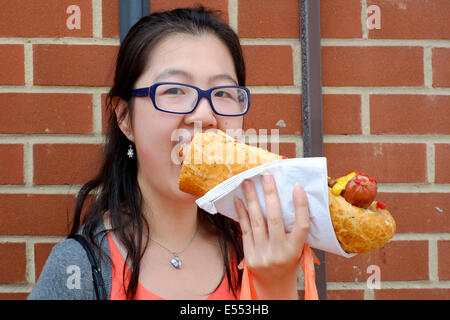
<point x="301" y="226"/>
<point x="274" y="216"/>
<point x="244" y="222"/>
<point x="257" y="221"/>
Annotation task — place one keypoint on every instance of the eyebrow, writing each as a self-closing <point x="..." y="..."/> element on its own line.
<point x="172" y="72"/>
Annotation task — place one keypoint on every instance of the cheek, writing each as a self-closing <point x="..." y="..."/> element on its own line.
<point x="153" y="133"/>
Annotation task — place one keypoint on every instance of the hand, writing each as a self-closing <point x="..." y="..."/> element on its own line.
<point x="271" y="255"/>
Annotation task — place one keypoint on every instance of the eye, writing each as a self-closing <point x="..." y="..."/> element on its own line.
<point x="222" y="94"/>
<point x="173" y="90"/>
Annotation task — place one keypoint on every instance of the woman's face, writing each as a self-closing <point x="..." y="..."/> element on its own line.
<point x="201" y="60"/>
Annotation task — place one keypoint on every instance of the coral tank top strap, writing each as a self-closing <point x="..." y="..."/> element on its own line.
<point x="223" y="292"/>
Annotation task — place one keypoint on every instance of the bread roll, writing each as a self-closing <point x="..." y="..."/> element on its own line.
<point x="212" y="158"/>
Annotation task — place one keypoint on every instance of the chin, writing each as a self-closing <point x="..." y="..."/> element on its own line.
<point x="183" y="196"/>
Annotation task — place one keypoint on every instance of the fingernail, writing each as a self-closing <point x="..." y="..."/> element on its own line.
<point x="247" y="186"/>
<point x="298" y="189"/>
<point x="266" y="177"/>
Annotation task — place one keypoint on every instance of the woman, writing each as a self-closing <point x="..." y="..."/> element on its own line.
<point x="172" y="249"/>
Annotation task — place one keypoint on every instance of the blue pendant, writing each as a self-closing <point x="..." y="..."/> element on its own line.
<point x="176" y="263"/>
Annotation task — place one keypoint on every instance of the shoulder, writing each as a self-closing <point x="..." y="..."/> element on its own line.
<point x="67" y="273"/>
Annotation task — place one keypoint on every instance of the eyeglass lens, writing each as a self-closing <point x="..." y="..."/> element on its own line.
<point x="180" y="98"/>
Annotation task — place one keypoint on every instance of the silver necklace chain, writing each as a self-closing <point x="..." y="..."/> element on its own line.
<point x="176" y="262"/>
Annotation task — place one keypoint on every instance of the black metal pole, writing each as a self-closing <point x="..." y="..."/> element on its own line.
<point x="130" y="12"/>
<point x="312" y="127"/>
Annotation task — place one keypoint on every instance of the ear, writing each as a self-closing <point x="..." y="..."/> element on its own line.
<point x="123" y="119"/>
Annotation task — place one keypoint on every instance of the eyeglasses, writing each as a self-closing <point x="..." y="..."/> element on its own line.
<point x="182" y="98"/>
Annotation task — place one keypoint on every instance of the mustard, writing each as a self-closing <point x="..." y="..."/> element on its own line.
<point x="341" y="183"/>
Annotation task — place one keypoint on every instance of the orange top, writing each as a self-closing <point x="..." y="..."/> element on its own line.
<point x="223" y="292"/>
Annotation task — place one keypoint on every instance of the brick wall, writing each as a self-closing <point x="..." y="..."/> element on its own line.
<point x="386" y="103"/>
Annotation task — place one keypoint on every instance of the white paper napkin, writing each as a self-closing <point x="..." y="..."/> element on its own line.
<point x="311" y="173"/>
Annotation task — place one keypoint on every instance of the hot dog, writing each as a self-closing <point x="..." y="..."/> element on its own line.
<point x="361" y="224"/>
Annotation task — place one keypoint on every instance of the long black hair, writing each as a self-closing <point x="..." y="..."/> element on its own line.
<point x="115" y="188"/>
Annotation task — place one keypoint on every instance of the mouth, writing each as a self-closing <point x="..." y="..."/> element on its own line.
<point x="184" y="145"/>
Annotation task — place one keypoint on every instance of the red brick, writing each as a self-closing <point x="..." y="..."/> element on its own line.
<point x="12" y="64"/>
<point x="409" y="114"/>
<point x="287" y="149"/>
<point x="161" y="5"/>
<point x="13" y="266"/>
<point x="444" y="259"/>
<point x="43" y="18"/>
<point x="74" y="65"/>
<point x="268" y="65"/>
<point x="412" y="19"/>
<point x="268" y="19"/>
<point x="267" y="110"/>
<point x="66" y="163"/>
<point x="372" y="66"/>
<point x="412" y="294"/>
<point x="341" y="114"/>
<point x="340" y="19"/>
<point x="384" y="161"/>
<point x="45" y="113"/>
<point x="14" y="295"/>
<point x="110" y="19"/>
<point x="36" y="214"/>
<point x="418" y="212"/>
<point x="397" y="260"/>
<point x="11" y="162"/>
<point x="41" y="253"/>
<point x="345" y="294"/>
<point x="442" y="160"/>
<point x="441" y="67"/>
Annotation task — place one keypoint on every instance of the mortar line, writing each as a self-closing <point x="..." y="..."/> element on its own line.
<point x="28" y="64"/>
<point x="274" y="89"/>
<point x="30" y="262"/>
<point x="365" y="30"/>
<point x="97" y="113"/>
<point x="97" y="19"/>
<point x="431" y="162"/>
<point x="28" y="173"/>
<point x="358" y="42"/>
<point x="433" y="260"/>
<point x="233" y="15"/>
<point x="428" y="67"/>
<point x="365" y="113"/>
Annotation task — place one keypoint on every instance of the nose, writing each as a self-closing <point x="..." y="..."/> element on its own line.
<point x="202" y="113"/>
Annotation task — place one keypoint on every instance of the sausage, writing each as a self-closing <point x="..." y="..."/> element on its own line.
<point x="360" y="191"/>
<point x="357" y="188"/>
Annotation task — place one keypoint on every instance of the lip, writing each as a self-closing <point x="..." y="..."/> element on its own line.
<point x="183" y="147"/>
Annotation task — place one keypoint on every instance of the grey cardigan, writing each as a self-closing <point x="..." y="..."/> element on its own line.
<point x="67" y="273"/>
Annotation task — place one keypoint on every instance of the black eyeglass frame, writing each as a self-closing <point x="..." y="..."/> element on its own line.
<point x="150" y="92"/>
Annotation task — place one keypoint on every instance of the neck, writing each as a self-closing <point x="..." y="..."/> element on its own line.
<point x="172" y="223"/>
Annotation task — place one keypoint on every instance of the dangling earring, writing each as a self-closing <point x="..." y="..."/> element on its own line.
<point x="130" y="152"/>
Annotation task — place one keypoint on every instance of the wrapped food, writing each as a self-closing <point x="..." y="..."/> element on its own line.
<point x="361" y="225"/>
